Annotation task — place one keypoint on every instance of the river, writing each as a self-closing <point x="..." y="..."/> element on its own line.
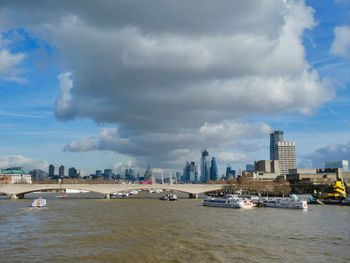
<point x="143" y="229"/>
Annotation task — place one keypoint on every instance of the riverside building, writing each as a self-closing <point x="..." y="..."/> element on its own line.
<point x="283" y="151"/>
<point x="205" y="166"/>
<point x="15" y="175"/>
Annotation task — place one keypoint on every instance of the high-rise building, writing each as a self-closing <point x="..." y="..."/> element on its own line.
<point x="51" y="170"/>
<point x="286" y="156"/>
<point x="344" y="164"/>
<point x="191" y="173"/>
<point x="213" y="170"/>
<point x="129" y="174"/>
<point x="230" y="173"/>
<point x="61" y="171"/>
<point x="275" y="136"/>
<point x="249" y="167"/>
<point x="205" y="166"/>
<point x="267" y="166"/>
<point x="72" y="173"/>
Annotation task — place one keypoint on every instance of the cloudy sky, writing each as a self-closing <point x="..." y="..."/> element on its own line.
<point x="122" y="83"/>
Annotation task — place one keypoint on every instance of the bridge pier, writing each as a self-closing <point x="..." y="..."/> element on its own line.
<point x="107" y="196"/>
<point x="16" y="196"/>
<point x="193" y="196"/>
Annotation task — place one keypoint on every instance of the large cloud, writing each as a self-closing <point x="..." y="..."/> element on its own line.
<point x="165" y="71"/>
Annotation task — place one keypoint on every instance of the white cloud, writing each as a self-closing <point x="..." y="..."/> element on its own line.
<point x="26" y="163"/>
<point x="332" y="152"/>
<point x="341" y="43"/>
<point x="63" y="103"/>
<point x="9" y="65"/>
<point x="173" y="86"/>
<point x="173" y="149"/>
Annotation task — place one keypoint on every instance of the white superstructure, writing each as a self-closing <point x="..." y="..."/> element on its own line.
<point x="228" y="202"/>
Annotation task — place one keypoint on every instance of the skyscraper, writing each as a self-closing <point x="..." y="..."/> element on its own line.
<point x="61" y="171"/>
<point x="275" y="136"/>
<point x="72" y="173"/>
<point x="190" y="173"/>
<point x="51" y="170"/>
<point x="286" y="156"/>
<point x="205" y="163"/>
<point x="213" y="170"/>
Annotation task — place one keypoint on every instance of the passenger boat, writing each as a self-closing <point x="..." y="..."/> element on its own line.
<point x="39" y="202"/>
<point x="228" y="202"/>
<point x="289" y="202"/>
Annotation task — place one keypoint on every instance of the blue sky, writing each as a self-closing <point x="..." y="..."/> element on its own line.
<point x="34" y="123"/>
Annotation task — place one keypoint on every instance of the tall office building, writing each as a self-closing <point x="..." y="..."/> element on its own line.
<point x="275" y="136"/>
<point x="190" y="173"/>
<point x="286" y="156"/>
<point x="61" y="171"/>
<point x="205" y="166"/>
<point x="213" y="170"/>
<point x="51" y="170"/>
<point x="72" y="173"/>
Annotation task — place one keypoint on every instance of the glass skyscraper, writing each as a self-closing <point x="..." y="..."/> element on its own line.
<point x="213" y="170"/>
<point x="205" y="163"/>
<point x="275" y="137"/>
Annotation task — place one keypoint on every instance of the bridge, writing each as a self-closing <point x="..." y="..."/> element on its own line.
<point x="17" y="191"/>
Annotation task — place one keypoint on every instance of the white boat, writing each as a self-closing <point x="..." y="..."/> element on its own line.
<point x="120" y="194"/>
<point x="289" y="202"/>
<point x="75" y="191"/>
<point x="229" y="201"/>
<point x="133" y="192"/>
<point x="39" y="202"/>
<point x="172" y="197"/>
<point x="155" y="191"/>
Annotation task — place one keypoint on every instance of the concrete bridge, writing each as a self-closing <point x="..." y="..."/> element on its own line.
<point x="17" y="191"/>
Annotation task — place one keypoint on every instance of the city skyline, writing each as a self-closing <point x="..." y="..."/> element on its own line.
<point x="121" y="91"/>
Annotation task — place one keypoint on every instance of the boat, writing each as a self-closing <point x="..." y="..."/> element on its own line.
<point x="39" y="202"/>
<point x="166" y="197"/>
<point x="229" y="201"/>
<point x="155" y="191"/>
<point x="133" y="192"/>
<point x="172" y="197"/>
<point x="75" y="191"/>
<point x="289" y="202"/>
<point x="119" y="194"/>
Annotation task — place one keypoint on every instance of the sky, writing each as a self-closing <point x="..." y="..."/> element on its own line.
<point x="116" y="84"/>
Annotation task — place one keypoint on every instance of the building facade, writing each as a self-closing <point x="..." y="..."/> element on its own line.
<point x="213" y="170"/>
<point x="15" y="175"/>
<point x="344" y="164"/>
<point x="51" y="170"/>
<point x="275" y="136"/>
<point x="72" y="173"/>
<point x="286" y="155"/>
<point x="61" y="171"/>
<point x="191" y="173"/>
<point x="205" y="167"/>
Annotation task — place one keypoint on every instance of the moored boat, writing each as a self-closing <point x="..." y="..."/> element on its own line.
<point x="39" y="202"/>
<point x="228" y="202"/>
<point x="172" y="197"/>
<point x="289" y="202"/>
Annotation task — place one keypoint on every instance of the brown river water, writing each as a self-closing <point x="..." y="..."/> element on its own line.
<point x="87" y="228"/>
